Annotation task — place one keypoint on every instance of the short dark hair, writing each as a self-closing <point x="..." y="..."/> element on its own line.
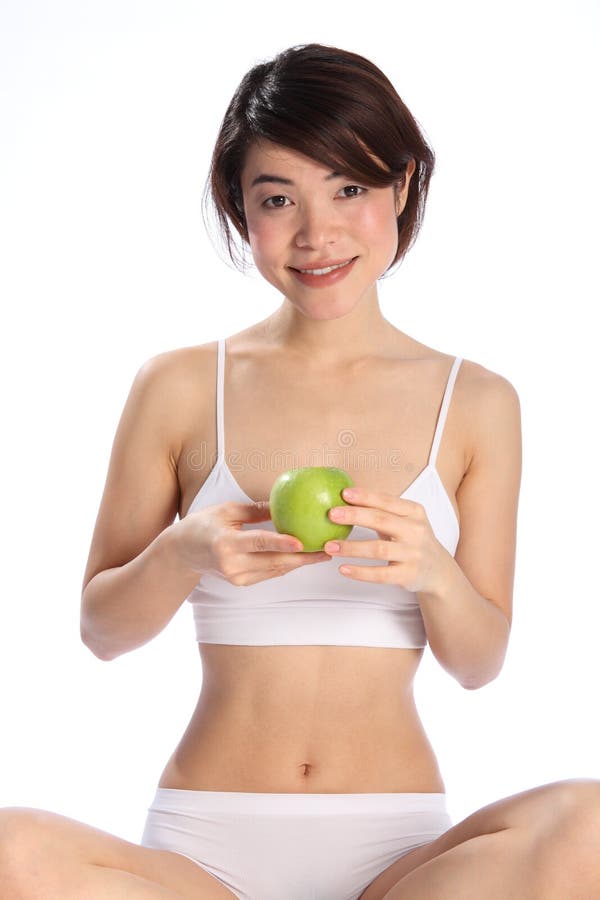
<point x="333" y="106"/>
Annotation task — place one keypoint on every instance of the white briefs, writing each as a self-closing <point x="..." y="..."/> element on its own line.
<point x="298" y="846"/>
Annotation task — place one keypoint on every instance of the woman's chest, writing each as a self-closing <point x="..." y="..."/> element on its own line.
<point x="378" y="428"/>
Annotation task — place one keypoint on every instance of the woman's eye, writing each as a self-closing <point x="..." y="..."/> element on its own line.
<point x="354" y="187"/>
<point x="278" y="197"/>
<point x="270" y="202"/>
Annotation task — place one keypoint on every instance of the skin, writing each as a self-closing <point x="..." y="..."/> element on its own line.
<point x="341" y="324"/>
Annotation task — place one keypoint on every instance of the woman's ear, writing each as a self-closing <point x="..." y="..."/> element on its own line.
<point x="401" y="189"/>
<point x="398" y="199"/>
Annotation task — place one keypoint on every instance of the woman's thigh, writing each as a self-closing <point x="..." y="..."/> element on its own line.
<point x="58" y="845"/>
<point x="563" y="807"/>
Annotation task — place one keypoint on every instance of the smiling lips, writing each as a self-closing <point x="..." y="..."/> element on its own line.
<point x="326" y="275"/>
<point x="325" y="267"/>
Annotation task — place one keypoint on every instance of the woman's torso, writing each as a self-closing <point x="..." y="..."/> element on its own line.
<point x="319" y="719"/>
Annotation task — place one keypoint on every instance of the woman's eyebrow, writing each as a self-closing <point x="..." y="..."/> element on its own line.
<point x="277" y="179"/>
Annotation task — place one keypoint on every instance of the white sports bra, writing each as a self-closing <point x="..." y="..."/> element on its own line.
<point x="315" y="604"/>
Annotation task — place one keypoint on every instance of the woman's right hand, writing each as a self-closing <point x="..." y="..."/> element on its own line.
<point x="212" y="541"/>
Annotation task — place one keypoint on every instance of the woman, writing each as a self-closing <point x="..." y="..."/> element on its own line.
<point x="305" y="771"/>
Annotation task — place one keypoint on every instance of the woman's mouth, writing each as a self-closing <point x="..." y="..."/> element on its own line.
<point x="324" y="276"/>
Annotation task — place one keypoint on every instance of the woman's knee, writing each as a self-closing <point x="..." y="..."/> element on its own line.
<point x="572" y="830"/>
<point x="19" y="828"/>
<point x="23" y="843"/>
<point x="578" y="804"/>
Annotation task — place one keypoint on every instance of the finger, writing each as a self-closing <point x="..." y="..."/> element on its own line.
<point x="314" y="557"/>
<point x="400" y="506"/>
<point x="375" y="518"/>
<point x="259" y="540"/>
<point x="388" y="550"/>
<point x="295" y="561"/>
<point x="288" y="562"/>
<point x="298" y="559"/>
<point x="374" y="574"/>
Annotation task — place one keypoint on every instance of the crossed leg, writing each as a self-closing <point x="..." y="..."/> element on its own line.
<point x="541" y="844"/>
<point x="49" y="856"/>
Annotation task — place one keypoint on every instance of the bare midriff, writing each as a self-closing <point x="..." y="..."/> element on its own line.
<point x="314" y="719"/>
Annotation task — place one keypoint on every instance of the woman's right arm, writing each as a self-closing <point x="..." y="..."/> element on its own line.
<point x="142" y="564"/>
<point x="134" y="581"/>
<point x="124" y="607"/>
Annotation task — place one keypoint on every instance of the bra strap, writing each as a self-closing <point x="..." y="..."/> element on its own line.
<point x="220" y="402"/>
<point x="444" y="411"/>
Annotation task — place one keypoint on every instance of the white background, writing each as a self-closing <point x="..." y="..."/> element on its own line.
<point x="109" y="112"/>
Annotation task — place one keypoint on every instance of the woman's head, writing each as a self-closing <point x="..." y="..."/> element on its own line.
<point x="335" y="107"/>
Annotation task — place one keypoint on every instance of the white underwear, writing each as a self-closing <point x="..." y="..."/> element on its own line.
<point x="297" y="846"/>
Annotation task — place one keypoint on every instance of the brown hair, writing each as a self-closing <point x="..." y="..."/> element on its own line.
<point x="333" y="106"/>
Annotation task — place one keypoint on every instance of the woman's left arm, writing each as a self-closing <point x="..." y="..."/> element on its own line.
<point x="465" y="600"/>
<point x="467" y="610"/>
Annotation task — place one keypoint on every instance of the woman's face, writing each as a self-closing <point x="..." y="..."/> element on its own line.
<point x="317" y="218"/>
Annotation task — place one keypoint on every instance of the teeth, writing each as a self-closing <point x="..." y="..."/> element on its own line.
<point x="324" y="271"/>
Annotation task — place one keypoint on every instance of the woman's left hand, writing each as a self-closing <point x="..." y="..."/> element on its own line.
<point x="415" y="557"/>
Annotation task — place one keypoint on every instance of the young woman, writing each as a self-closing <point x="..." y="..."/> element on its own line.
<point x="305" y="771"/>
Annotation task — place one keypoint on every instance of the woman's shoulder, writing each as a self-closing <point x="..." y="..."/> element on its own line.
<point x="176" y="384"/>
<point x="471" y="375"/>
<point x="182" y="363"/>
<point x="481" y="383"/>
<point x="196" y="363"/>
<point x="481" y="398"/>
<point x="474" y="381"/>
<point x="486" y="402"/>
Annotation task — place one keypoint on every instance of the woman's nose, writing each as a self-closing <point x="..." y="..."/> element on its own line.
<point x="316" y="227"/>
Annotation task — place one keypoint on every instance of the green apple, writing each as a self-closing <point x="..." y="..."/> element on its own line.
<point x="300" y="501"/>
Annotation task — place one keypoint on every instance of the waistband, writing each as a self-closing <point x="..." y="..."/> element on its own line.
<point x="184" y="801"/>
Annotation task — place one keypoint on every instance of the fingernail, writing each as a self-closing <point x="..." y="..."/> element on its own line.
<point x="332" y="546"/>
<point x="348" y="493"/>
